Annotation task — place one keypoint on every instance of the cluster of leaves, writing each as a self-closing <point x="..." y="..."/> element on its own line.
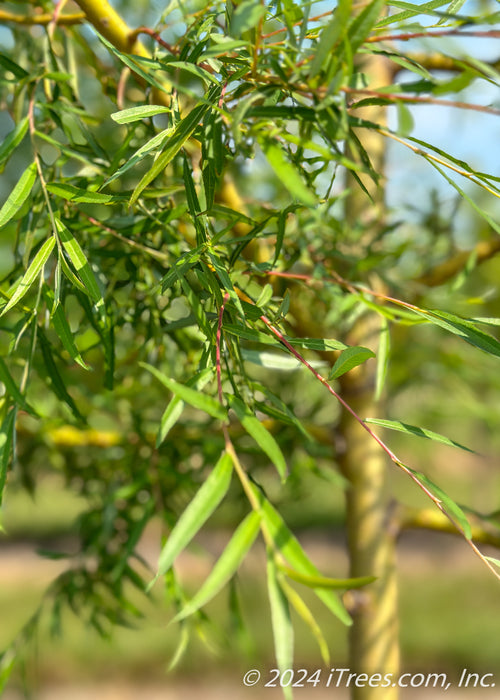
<point x="136" y="268"/>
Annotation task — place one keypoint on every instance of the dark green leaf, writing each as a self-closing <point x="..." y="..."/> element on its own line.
<point x="13" y="390"/>
<point x="13" y="139"/>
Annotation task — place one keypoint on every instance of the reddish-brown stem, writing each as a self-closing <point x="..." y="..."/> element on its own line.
<point x="492" y="34"/>
<point x="416" y="99"/>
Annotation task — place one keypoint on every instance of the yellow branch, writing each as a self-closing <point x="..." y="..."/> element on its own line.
<point x="6" y="16"/>
<point x="113" y="28"/>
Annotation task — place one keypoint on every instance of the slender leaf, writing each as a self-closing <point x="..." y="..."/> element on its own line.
<point x="13" y="139"/>
<point x="126" y="116"/>
<point x="197" y="512"/>
<point x="55" y="380"/>
<point x="246" y="16"/>
<point x="13" y="390"/>
<point x="281" y="621"/>
<point x="81" y="264"/>
<point x="19" y="195"/>
<point x="260" y="434"/>
<point x="76" y="194"/>
<point x="301" y="609"/>
<point x="289" y="547"/>
<point x="183" y="131"/>
<point x="31" y="274"/>
<point x="383" y="355"/>
<point x="7" y="433"/>
<point x="288" y="174"/>
<point x="175" y="407"/>
<point x="452" y="508"/>
<point x="13" y="67"/>
<point x="156" y="143"/>
<point x="464" y="328"/>
<point x="415" y="430"/>
<point x="226" y="566"/>
<point x="201" y="401"/>
<point x="327" y="582"/>
<point x="63" y="330"/>
<point x="348" y="359"/>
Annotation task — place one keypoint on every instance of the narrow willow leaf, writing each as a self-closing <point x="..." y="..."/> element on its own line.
<point x="180" y="649"/>
<point x="7" y="432"/>
<point x="226" y="566"/>
<point x="134" y="114"/>
<point x="281" y="621"/>
<point x="175" y="407"/>
<point x="13" y="390"/>
<point x="223" y="276"/>
<point x="452" y="9"/>
<point x="197" y="512"/>
<point x="327" y="582"/>
<point x="331" y="35"/>
<point x="63" y="330"/>
<point x="201" y="401"/>
<point x="287" y="544"/>
<point x="348" y="359"/>
<point x="31" y="274"/>
<point x="452" y="508"/>
<point x="78" y="195"/>
<point x="363" y="24"/>
<point x="288" y="174"/>
<point x="19" y="195"/>
<point x="415" y="430"/>
<point x="193" y="69"/>
<point x="181" y="266"/>
<point x="183" y="131"/>
<point x="301" y="609"/>
<point x="410" y="10"/>
<point x="13" y="139"/>
<point x="81" y="264"/>
<point x="464" y="328"/>
<point x="246" y="16"/>
<point x="56" y="382"/>
<point x="14" y="68"/>
<point x="156" y="143"/>
<point x="260" y="434"/>
<point x="383" y="355"/>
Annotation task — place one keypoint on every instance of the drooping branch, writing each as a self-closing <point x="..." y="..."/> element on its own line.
<point x="40" y="19"/>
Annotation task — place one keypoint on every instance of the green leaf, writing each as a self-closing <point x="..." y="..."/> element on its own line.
<point x="260" y="434"/>
<point x="81" y="264"/>
<point x="183" y="131"/>
<point x="63" y="330"/>
<point x="301" y="609"/>
<point x="56" y="382"/>
<point x="348" y="359"/>
<point x="156" y="143"/>
<point x="31" y="274"/>
<point x="13" y="139"/>
<point x="415" y="430"/>
<point x="193" y="69"/>
<point x="13" y="390"/>
<point x="175" y="407"/>
<point x="383" y="355"/>
<point x="452" y="508"/>
<point x="363" y="24"/>
<point x="226" y="566"/>
<point x="410" y="10"/>
<point x="201" y="401"/>
<point x="246" y="16"/>
<point x="19" y="194"/>
<point x="126" y="116"/>
<point x="197" y="512"/>
<point x="281" y="620"/>
<point x="7" y="436"/>
<point x="287" y="544"/>
<point x="80" y="196"/>
<point x="327" y="582"/>
<point x="14" y="68"/>
<point x="330" y="35"/>
<point x="288" y="175"/>
<point x="464" y="328"/>
<point x="181" y="266"/>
